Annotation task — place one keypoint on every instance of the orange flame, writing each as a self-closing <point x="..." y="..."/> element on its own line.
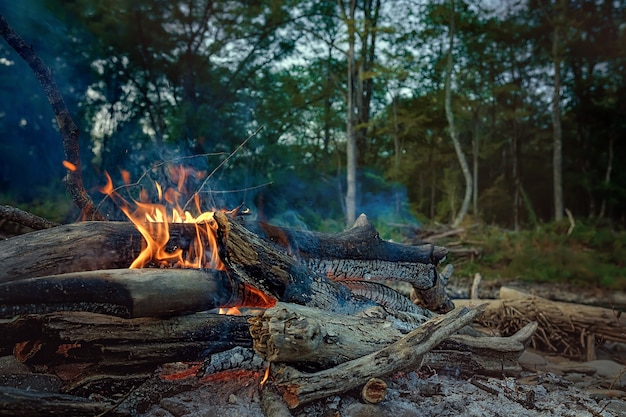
<point x="266" y="376"/>
<point x="153" y="222"/>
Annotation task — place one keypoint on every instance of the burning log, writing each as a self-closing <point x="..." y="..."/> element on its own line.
<point x="359" y="253"/>
<point x="106" y="245"/>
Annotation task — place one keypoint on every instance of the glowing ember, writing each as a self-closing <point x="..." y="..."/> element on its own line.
<point x="153" y="220"/>
<point x="69" y="165"/>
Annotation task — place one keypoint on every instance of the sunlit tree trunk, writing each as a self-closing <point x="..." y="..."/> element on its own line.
<point x="453" y="133"/>
<point x="351" y="162"/>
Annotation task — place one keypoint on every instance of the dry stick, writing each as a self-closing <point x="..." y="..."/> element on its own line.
<point x="69" y="131"/>
<point x="241" y="145"/>
<point x="24" y="218"/>
<point x="153" y="166"/>
<point x="299" y="388"/>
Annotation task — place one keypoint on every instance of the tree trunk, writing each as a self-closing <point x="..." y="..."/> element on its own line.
<point x="607" y="175"/>
<point x="351" y="150"/>
<point x="453" y="133"/>
<point x="557" y="151"/>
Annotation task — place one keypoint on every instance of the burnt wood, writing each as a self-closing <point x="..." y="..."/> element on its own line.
<point x="126" y="292"/>
<point x="92" y="246"/>
<point x="113" y="341"/>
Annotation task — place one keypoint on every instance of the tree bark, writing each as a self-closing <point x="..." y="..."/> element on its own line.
<point x="557" y="150"/>
<point x="453" y="133"/>
<point x="348" y="17"/>
<point x="299" y="388"/>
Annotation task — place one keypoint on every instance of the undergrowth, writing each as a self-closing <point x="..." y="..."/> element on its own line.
<point x="590" y="256"/>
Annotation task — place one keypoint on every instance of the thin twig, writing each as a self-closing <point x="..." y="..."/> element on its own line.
<point x="241" y="145"/>
<point x="147" y="171"/>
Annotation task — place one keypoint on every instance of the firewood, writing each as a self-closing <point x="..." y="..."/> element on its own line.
<point x="358" y="253"/>
<point x="298" y="335"/>
<point x="116" y="342"/>
<point x="29" y="403"/>
<point x="105" y="245"/>
<point x="299" y="388"/>
<point x="126" y="292"/>
<point x="87" y="246"/>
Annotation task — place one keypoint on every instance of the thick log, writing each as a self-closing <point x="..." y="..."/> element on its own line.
<point x="76" y="247"/>
<point x="113" y="342"/>
<point x="295" y="334"/>
<point x="362" y="241"/>
<point x="277" y="273"/>
<point x="358" y="253"/>
<point x="127" y="292"/>
<point x="29" y="403"/>
<point x="298" y="388"/>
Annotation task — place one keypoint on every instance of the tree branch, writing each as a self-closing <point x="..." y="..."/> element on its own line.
<point x="69" y="131"/>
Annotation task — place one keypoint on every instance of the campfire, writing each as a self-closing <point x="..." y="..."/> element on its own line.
<point x="106" y="305"/>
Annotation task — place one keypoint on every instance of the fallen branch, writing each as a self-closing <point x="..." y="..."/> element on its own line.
<point x="299" y="388"/>
<point x="563" y="328"/>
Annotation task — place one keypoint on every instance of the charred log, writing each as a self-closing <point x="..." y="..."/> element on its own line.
<point x="114" y="342"/>
<point x="127" y="292"/>
<point x="358" y="253"/>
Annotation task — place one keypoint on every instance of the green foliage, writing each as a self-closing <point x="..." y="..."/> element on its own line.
<point x="154" y="80"/>
<point x="590" y="256"/>
<point x="51" y="202"/>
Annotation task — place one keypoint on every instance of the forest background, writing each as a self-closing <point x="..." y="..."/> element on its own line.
<point x="499" y="116"/>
